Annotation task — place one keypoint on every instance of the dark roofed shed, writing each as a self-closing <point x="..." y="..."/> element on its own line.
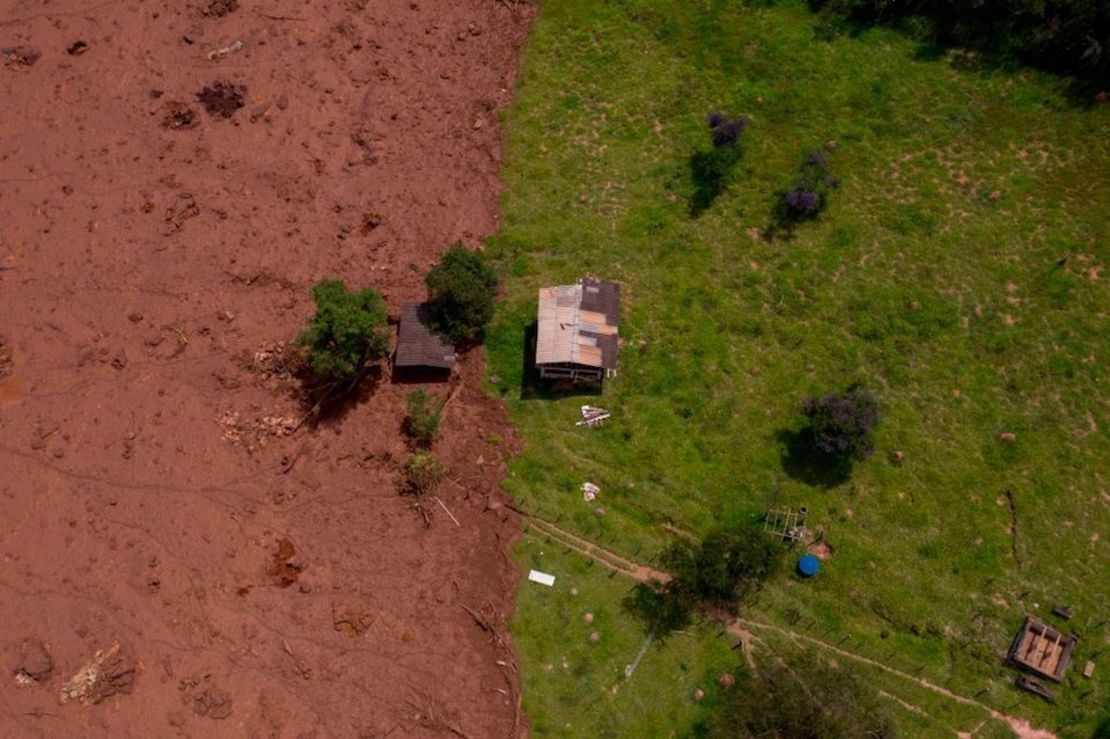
<point x="418" y="345"/>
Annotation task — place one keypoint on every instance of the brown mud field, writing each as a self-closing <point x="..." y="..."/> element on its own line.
<point x="175" y="559"/>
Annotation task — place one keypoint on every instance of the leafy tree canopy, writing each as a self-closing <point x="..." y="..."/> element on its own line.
<point x="348" y="330"/>
<point x="461" y="292"/>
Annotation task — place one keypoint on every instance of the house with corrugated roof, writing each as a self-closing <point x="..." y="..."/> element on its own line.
<point x="577" y="331"/>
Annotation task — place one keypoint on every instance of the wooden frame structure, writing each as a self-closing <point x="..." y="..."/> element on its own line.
<point x="1041" y="649"/>
<point x="786" y="523"/>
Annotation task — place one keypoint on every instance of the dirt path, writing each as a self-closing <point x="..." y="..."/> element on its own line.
<point x="744" y="628"/>
<point x="152" y="253"/>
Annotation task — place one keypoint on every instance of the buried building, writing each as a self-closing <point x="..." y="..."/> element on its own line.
<point x="576" y="333"/>
<point x="421" y="353"/>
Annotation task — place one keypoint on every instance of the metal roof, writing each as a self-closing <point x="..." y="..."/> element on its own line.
<point x="578" y="324"/>
<point x="417" y="345"/>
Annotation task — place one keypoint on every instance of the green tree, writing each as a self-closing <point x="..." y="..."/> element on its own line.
<point x="461" y="291"/>
<point x="348" y="330"/>
<point x="800" y="697"/>
<point x="422" y="422"/>
<point x="722" y="570"/>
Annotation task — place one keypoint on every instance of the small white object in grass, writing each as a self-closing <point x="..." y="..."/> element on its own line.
<point x="541" y="577"/>
<point x="589" y="491"/>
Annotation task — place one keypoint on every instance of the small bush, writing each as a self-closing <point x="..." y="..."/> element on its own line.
<point x="461" y="291"/>
<point x="810" y="193"/>
<point x="842" y="422"/>
<point x="421" y="473"/>
<point x="422" y="422"/>
<point x="726" y="131"/>
<point x="348" y="330"/>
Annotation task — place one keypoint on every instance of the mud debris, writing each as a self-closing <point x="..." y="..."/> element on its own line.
<point x="220" y="8"/>
<point x="179" y="116"/>
<point x="19" y="57"/>
<point x="222" y="99"/>
<point x="213" y="703"/>
<point x="350" y="620"/>
<point x="34" y="664"/>
<point x="110" y="671"/>
<point x="282" y="567"/>
<point x="7" y="366"/>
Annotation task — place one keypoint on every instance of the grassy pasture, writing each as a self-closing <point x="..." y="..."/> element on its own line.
<point x="958" y="272"/>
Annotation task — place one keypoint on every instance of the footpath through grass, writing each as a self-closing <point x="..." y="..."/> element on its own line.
<point x="958" y="272"/>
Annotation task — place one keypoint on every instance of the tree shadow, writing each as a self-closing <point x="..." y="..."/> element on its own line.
<point x="802" y="460"/>
<point x="709" y="171"/>
<point x="533" y="387"/>
<point x="325" y="404"/>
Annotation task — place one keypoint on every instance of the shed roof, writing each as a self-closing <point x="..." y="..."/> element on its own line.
<point x="578" y="324"/>
<point x="417" y="345"/>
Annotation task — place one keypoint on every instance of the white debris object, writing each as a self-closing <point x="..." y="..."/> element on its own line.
<point x="541" y="577"/>
<point x="589" y="491"/>
<point x="592" y="415"/>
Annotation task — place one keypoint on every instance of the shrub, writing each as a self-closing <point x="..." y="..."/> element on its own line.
<point x="461" y="291"/>
<point x="810" y="193"/>
<point x="421" y="473"/>
<point x="422" y="421"/>
<point x="726" y="131"/>
<point x="842" y="422"/>
<point x="348" y="330"/>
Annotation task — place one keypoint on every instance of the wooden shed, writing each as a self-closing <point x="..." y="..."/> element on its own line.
<point x="420" y="351"/>
<point x="1041" y="649"/>
<point x="576" y="334"/>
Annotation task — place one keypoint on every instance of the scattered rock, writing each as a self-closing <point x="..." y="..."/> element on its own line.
<point x="109" y="672"/>
<point x="595" y="637"/>
<point x="897" y="456"/>
<point x="179" y="116"/>
<point x="34" y="664"/>
<point x="726" y="680"/>
<point x="823" y="550"/>
<point x="282" y="102"/>
<point x="574" y="591"/>
<point x="1007" y="437"/>
<point x="994" y="196"/>
<point x="588" y="617"/>
<point x="20" y="57"/>
<point x="699" y="695"/>
<point x="77" y="48"/>
<point x="222" y="99"/>
<point x="213" y="703"/>
<point x="119" y="361"/>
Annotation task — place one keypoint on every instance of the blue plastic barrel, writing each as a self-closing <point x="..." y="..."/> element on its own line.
<point x="808" y="565"/>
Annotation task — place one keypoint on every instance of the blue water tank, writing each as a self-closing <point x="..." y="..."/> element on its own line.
<point x="808" y="565"/>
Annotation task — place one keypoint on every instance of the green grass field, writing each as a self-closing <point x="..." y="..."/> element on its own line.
<point x="968" y="314"/>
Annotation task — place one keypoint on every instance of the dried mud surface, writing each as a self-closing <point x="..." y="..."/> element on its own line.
<point x="174" y="558"/>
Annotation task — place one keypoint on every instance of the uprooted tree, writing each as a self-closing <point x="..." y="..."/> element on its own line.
<point x="718" y="573"/>
<point x="422" y="421"/>
<point x="461" y="291"/>
<point x="347" y="331"/>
